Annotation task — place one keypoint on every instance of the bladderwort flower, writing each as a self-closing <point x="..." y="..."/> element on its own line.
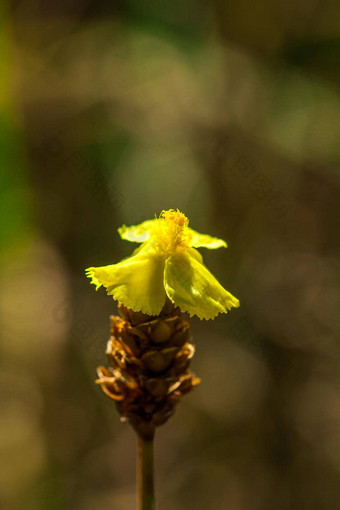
<point x="166" y="265"/>
<point x="151" y="346"/>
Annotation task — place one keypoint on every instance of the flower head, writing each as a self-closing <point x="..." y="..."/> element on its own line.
<point x="166" y="265"/>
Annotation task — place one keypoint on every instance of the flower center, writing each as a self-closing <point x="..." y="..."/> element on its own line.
<point x="171" y="231"/>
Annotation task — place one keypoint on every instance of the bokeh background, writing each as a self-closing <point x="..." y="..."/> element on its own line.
<point x="109" y="113"/>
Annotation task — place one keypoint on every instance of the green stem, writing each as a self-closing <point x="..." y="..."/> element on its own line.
<point x="145" y="479"/>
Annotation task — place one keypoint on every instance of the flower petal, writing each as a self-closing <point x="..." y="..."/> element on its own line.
<point x="137" y="233"/>
<point x="197" y="240"/>
<point x="191" y="286"/>
<point x="136" y="281"/>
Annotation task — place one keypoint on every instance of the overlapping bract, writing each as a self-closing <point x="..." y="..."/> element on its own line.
<point x="149" y="366"/>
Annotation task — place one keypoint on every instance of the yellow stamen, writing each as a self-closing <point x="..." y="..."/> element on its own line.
<point x="176" y="217"/>
<point x="170" y="233"/>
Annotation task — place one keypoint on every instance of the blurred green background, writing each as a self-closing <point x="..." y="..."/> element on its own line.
<point x="109" y="113"/>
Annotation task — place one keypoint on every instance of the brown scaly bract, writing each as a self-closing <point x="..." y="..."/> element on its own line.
<point x="149" y="372"/>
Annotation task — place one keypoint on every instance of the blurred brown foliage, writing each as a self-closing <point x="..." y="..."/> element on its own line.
<point x="109" y="113"/>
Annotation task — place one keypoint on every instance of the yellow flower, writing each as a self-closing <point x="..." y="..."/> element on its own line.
<point x="165" y="265"/>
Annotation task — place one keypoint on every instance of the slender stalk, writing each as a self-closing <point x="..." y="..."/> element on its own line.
<point x="145" y="478"/>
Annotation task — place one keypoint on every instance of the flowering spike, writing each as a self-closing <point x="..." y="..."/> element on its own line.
<point x="149" y="372"/>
